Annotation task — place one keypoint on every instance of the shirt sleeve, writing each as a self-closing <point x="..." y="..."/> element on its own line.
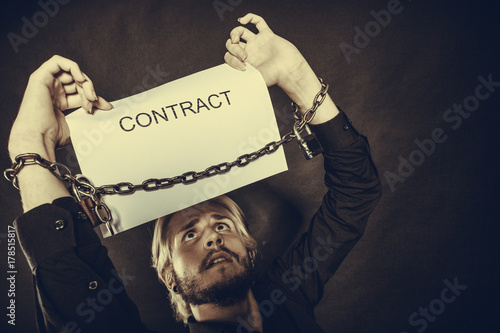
<point x="353" y="192"/>
<point x="77" y="288"/>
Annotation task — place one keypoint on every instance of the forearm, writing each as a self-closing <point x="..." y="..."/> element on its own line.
<point x="353" y="192"/>
<point x="66" y="259"/>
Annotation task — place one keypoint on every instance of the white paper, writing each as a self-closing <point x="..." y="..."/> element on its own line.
<point x="231" y="115"/>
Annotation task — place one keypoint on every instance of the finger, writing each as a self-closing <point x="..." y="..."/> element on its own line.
<point x="70" y="88"/>
<point x="103" y="104"/>
<point x="87" y="85"/>
<point x="241" y="33"/>
<point x="65" y="78"/>
<point x="236" y="50"/>
<point x="258" y="21"/>
<point x="88" y="88"/>
<point x="84" y="102"/>
<point x="57" y="63"/>
<point x="74" y="101"/>
<point x="234" y="62"/>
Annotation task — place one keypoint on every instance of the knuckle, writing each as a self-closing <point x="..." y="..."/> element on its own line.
<point x="88" y="82"/>
<point x="237" y="31"/>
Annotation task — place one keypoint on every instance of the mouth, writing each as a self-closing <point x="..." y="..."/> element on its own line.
<point x="219" y="259"/>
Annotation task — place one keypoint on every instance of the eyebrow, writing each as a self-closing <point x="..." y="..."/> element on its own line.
<point x="195" y="221"/>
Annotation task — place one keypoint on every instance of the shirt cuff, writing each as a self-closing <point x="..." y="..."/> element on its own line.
<point x="336" y="134"/>
<point x="49" y="229"/>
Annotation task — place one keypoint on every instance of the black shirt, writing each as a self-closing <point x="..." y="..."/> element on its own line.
<point x="77" y="287"/>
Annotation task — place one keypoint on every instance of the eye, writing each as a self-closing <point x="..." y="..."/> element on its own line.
<point x="190" y="235"/>
<point x="222" y="227"/>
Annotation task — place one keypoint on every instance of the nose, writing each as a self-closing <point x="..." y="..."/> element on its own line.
<point x="214" y="240"/>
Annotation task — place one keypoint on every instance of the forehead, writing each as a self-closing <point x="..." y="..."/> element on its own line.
<point x="183" y="217"/>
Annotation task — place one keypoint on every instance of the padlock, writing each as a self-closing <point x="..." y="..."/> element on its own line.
<point x="309" y="144"/>
<point x="89" y="206"/>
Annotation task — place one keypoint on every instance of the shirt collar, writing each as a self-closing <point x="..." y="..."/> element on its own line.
<point x="214" y="327"/>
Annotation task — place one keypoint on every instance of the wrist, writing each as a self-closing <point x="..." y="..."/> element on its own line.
<point x="38" y="185"/>
<point x="301" y="84"/>
<point x="27" y="144"/>
<point x="302" y="87"/>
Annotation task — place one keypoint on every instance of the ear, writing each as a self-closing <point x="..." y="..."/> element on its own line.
<point x="168" y="279"/>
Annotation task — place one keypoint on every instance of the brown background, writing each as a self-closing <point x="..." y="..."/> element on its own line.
<point x="441" y="223"/>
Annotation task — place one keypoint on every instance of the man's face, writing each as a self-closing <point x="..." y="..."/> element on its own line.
<point x="210" y="260"/>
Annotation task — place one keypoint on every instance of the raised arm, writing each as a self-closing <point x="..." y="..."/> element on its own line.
<point x="77" y="288"/>
<point x="351" y="177"/>
<point x="40" y="126"/>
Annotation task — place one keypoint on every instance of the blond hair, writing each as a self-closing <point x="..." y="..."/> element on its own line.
<point x="162" y="251"/>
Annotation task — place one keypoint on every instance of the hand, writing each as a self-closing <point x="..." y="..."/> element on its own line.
<point x="279" y="62"/>
<point x="57" y="85"/>
<point x="277" y="59"/>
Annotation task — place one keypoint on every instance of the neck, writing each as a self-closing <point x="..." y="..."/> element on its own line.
<point x="245" y="312"/>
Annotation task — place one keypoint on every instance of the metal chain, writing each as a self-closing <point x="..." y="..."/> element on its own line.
<point x="81" y="186"/>
<point x="59" y="170"/>
<point x="190" y="177"/>
<point x="303" y="120"/>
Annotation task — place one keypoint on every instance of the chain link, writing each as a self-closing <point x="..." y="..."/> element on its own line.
<point x="302" y="120"/>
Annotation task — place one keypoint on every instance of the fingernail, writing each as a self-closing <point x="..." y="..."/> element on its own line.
<point x="239" y="19"/>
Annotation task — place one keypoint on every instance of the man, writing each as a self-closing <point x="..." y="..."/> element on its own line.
<point x="203" y="254"/>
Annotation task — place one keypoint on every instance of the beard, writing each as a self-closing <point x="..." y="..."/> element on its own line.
<point x="226" y="292"/>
